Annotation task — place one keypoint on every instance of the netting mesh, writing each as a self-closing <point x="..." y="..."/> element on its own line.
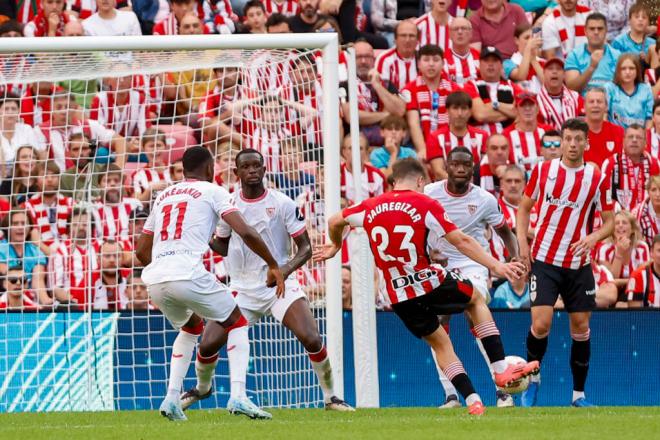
<point x="87" y="142"/>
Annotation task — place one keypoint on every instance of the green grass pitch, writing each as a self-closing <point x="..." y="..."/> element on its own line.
<point x="390" y="423"/>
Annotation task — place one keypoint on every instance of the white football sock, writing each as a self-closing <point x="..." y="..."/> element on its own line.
<point x="205" y="369"/>
<point x="238" y="352"/>
<point x="182" y="351"/>
<point x="444" y="381"/>
<point x="578" y="395"/>
<point x="323" y="369"/>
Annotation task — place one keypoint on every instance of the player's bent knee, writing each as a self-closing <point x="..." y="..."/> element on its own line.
<point x="541" y="328"/>
<point x="312" y="342"/>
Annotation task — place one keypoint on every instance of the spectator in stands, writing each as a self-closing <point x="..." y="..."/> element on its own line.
<point x="648" y="212"/>
<point x="110" y="285"/>
<point x="18" y="250"/>
<point x="456" y="133"/>
<point x="150" y="180"/>
<point x="305" y="20"/>
<point x="617" y="13"/>
<point x="217" y="17"/>
<point x="434" y="26"/>
<point x="525" y="67"/>
<point x="377" y="99"/>
<point x="83" y="91"/>
<point x="373" y="182"/>
<point x="642" y="289"/>
<point x="630" y="99"/>
<point x="278" y="24"/>
<point x="346" y="289"/>
<point x="461" y="60"/>
<point x="21" y="184"/>
<point x="551" y="145"/>
<point x="494" y="164"/>
<point x="395" y="131"/>
<point x="425" y="97"/>
<point x="635" y="40"/>
<point x="119" y="107"/>
<point x="494" y="97"/>
<point x="653" y="132"/>
<point x="384" y="18"/>
<point x="398" y="64"/>
<point x="136" y="292"/>
<point x="607" y="292"/>
<point x="301" y="101"/>
<point x="557" y="103"/>
<point x="512" y="295"/>
<point x="292" y="180"/>
<point x="83" y="9"/>
<point x="493" y="25"/>
<point x="525" y="134"/>
<point x="15" y="296"/>
<point x="285" y="8"/>
<point x="605" y="138"/>
<point x="50" y="20"/>
<point x="11" y="29"/>
<point x="176" y="171"/>
<point x="13" y="133"/>
<point x="511" y="192"/>
<point x="564" y="29"/>
<point x="110" y="21"/>
<point x="223" y="107"/>
<point x="255" y="17"/>
<point x="84" y="173"/>
<point x="624" y="251"/>
<point x="630" y="170"/>
<point x="49" y="209"/>
<point x="592" y="63"/>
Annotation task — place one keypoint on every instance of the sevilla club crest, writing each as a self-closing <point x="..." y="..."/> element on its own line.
<point x="472" y="209"/>
<point x="270" y="212"/>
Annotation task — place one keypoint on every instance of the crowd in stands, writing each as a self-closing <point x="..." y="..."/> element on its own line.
<point x="82" y="160"/>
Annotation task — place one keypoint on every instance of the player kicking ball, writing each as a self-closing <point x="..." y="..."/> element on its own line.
<point x="398" y="224"/>
<point x="175" y="237"/>
<point x="474" y="210"/>
<point x="277" y="219"/>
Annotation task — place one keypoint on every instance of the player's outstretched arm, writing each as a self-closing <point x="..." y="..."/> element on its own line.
<point x="143" y="250"/>
<point x="472" y="249"/>
<point x="303" y="253"/>
<point x="252" y="239"/>
<point x="522" y="225"/>
<point x="336" y="226"/>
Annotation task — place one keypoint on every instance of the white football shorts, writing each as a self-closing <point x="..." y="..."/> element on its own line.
<point x="261" y="302"/>
<point x="478" y="276"/>
<point x="205" y="296"/>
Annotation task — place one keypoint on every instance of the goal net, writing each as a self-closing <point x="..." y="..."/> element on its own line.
<point x="92" y="129"/>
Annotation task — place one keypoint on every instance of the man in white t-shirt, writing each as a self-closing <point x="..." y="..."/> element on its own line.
<point x="14" y="134"/>
<point x="278" y="220"/>
<point x="475" y="211"/>
<point x="111" y="21"/>
<point x="174" y="239"/>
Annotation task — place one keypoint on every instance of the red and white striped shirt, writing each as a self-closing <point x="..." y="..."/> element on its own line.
<point x="554" y="111"/>
<point x="524" y="146"/>
<point x="144" y="177"/>
<point x="432" y="32"/>
<point x="440" y="142"/>
<point x="570" y="32"/>
<point x="27" y="10"/>
<point x="566" y="199"/>
<point x="503" y="92"/>
<point x="648" y="221"/>
<point x="638" y="256"/>
<point x="72" y="266"/>
<point x="373" y="182"/>
<point x="312" y="206"/>
<point x="487" y="179"/>
<point x="601" y="274"/>
<point x="462" y="68"/>
<point x="399" y="71"/>
<point x="312" y="100"/>
<point x="653" y="143"/>
<point x="41" y="217"/>
<point x="112" y="221"/>
<point x="127" y="119"/>
<point x="510" y="212"/>
<point x="431" y="105"/>
<point x="85" y="8"/>
<point x="644" y="286"/>
<point x="628" y="179"/>
<point x="286" y="7"/>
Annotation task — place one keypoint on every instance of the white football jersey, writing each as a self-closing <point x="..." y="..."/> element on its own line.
<point x="277" y="219"/>
<point x="183" y="219"/>
<point x="472" y="212"/>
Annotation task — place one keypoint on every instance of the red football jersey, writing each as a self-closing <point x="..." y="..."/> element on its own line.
<point x="398" y="224"/>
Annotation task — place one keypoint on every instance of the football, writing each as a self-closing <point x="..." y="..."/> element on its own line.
<point x="520" y="385"/>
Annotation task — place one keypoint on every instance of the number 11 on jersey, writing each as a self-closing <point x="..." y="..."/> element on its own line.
<point x="167" y="218"/>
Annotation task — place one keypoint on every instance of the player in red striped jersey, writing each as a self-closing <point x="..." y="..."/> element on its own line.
<point x="525" y="134"/>
<point x="461" y="60"/>
<point x="567" y="192"/>
<point x="457" y="133"/>
<point x="398" y="224"/>
<point x="644" y="286"/>
<point x="398" y="64"/>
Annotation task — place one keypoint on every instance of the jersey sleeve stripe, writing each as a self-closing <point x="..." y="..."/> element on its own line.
<point x="147" y="232"/>
<point x="228" y="211"/>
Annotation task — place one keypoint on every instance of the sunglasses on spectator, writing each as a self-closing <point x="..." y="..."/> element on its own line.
<point x="16" y="280"/>
<point x="551" y="144"/>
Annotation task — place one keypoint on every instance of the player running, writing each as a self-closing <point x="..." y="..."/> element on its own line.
<point x="398" y="224"/>
<point x="568" y="192"/>
<point x="277" y="219"/>
<point x="175" y="237"/>
<point x="474" y="210"/>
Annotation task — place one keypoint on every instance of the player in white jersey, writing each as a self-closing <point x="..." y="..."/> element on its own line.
<point x="475" y="211"/>
<point x="174" y="239"/>
<point x="278" y="220"/>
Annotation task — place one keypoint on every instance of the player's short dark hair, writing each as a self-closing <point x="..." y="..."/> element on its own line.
<point x="276" y="19"/>
<point x="253" y="4"/>
<point x="430" y="50"/>
<point x="575" y="124"/>
<point x="458" y="99"/>
<point x="249" y="151"/>
<point x="656" y="103"/>
<point x="408" y="167"/>
<point x="460" y="150"/>
<point x="195" y="158"/>
<point x="393" y="122"/>
<point x="550" y="133"/>
<point x="596" y="16"/>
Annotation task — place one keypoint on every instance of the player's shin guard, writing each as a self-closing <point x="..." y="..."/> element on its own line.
<point x="205" y="368"/>
<point x="238" y="352"/>
<point x="536" y="347"/>
<point x="182" y="351"/>
<point x="580" y="354"/>
<point x="321" y="365"/>
<point x="459" y="378"/>
<point x="489" y="336"/>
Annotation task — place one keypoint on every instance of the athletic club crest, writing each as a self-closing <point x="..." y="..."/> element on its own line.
<point x="609" y="145"/>
<point x="270" y="212"/>
<point x="472" y="209"/>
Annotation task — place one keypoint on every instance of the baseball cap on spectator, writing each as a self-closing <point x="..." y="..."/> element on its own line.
<point x="488" y="51"/>
<point x="526" y="97"/>
<point x="554" y="60"/>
